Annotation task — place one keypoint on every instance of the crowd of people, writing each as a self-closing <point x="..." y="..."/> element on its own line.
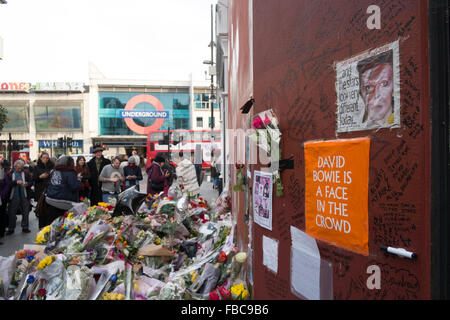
<point x="56" y="185"/>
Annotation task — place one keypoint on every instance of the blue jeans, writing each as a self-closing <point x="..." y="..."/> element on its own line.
<point x="107" y="196"/>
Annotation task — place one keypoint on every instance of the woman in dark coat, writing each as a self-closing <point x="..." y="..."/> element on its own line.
<point x="83" y="174"/>
<point x="41" y="175"/>
<point x="157" y="180"/>
<point x="62" y="192"/>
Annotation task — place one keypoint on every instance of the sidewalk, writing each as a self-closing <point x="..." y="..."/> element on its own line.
<point x="15" y="242"/>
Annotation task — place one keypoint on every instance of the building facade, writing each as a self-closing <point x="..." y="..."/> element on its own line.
<point x="39" y="114"/>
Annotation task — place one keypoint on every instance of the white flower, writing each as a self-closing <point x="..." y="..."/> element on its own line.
<point x="241" y="257"/>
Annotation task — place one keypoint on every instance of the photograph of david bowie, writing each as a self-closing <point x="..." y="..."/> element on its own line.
<point x="376" y="80"/>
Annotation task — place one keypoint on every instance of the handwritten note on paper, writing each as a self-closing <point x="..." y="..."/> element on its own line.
<point x="305" y="265"/>
<point x="270" y="253"/>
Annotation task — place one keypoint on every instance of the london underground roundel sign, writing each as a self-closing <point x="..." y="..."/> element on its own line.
<point x="128" y="114"/>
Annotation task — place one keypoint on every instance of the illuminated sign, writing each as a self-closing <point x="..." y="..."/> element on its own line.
<point x="148" y="99"/>
<point x="144" y="114"/>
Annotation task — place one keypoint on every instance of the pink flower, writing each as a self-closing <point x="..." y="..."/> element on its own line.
<point x="224" y="293"/>
<point x="257" y="123"/>
<point x="267" y="121"/>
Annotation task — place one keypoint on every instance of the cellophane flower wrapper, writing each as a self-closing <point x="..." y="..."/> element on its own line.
<point x="7" y="268"/>
<point x="55" y="276"/>
<point x="78" y="283"/>
<point x="95" y="233"/>
<point x="267" y="135"/>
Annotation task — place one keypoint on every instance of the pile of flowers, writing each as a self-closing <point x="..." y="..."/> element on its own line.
<point x="171" y="248"/>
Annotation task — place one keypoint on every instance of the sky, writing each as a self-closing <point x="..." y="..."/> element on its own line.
<point x="56" y="40"/>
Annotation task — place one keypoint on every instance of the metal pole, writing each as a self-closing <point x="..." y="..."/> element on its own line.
<point x="168" y="144"/>
<point x="9" y="148"/>
<point x="212" y="84"/>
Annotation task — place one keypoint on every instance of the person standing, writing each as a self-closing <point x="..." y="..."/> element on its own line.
<point x="62" y="192"/>
<point x="198" y="161"/>
<point x="137" y="159"/>
<point x="112" y="178"/>
<point x="83" y="174"/>
<point x="95" y="167"/>
<point x="156" y="180"/>
<point x="5" y="187"/>
<point x="20" y="197"/>
<point x="132" y="173"/>
<point x="186" y="176"/>
<point x="41" y="175"/>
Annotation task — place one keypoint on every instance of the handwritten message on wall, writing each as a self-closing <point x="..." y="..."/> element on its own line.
<point x="336" y="192"/>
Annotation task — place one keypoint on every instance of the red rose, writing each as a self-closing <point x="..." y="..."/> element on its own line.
<point x="81" y="198"/>
<point x="42" y="292"/>
<point x="222" y="257"/>
<point x="213" y="296"/>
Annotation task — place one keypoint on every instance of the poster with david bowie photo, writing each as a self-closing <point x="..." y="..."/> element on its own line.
<point x="262" y="199"/>
<point x="368" y="90"/>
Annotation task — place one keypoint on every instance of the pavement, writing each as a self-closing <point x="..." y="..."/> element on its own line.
<point x="15" y="242"/>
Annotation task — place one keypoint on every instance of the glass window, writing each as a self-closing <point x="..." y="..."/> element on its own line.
<point x="17" y="119"/>
<point x="199" y="122"/>
<point x="56" y="118"/>
<point x="111" y="103"/>
<point x="201" y="101"/>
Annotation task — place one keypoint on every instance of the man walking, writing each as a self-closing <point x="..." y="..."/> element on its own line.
<point x="20" y="196"/>
<point x="95" y="167"/>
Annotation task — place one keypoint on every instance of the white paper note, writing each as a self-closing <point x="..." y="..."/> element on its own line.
<point x="270" y="253"/>
<point x="305" y="265"/>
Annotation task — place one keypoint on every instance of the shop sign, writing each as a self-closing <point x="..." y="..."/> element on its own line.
<point x="15" y="86"/>
<point x="59" y="86"/>
<point x="54" y="143"/>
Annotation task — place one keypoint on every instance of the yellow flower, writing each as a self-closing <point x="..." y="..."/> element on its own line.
<point x="45" y="262"/>
<point x="70" y="215"/>
<point x="40" y="238"/>
<point x="113" y="296"/>
<point x="194" y="276"/>
<point x="238" y="290"/>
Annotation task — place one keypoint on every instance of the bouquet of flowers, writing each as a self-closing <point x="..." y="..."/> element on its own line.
<point x="267" y="136"/>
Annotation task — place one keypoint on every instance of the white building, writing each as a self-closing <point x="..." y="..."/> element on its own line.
<point x="39" y="114"/>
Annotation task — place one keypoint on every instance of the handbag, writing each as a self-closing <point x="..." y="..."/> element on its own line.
<point x="41" y="206"/>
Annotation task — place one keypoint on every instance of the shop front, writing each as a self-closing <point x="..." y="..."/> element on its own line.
<point x="54" y="149"/>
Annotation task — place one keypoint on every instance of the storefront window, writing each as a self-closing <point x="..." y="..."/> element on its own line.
<point x="17" y="119"/>
<point x="56" y="118"/>
<point x="111" y="103"/>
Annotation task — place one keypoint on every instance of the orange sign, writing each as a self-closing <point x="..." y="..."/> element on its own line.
<point x="336" y="191"/>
